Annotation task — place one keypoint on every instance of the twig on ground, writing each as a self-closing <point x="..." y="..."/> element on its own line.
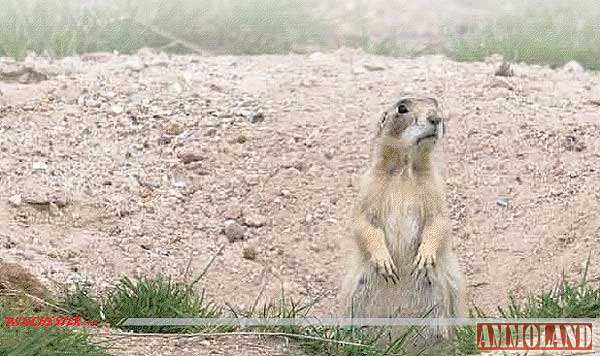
<point x="17" y="292"/>
<point x="206" y="267"/>
<point x="188" y="265"/>
<point x="192" y="47"/>
<point x="241" y="333"/>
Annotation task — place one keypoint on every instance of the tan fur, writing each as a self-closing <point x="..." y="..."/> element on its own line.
<point x="403" y="263"/>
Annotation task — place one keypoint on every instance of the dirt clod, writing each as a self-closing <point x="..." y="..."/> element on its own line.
<point x="501" y="83"/>
<point x="572" y="67"/>
<point x="234" y="231"/>
<point x="503" y="202"/>
<point x="15" y="278"/>
<point x="15" y="200"/>
<point x="572" y="143"/>
<point x="257" y="117"/>
<point x="189" y="157"/>
<point x="240" y="139"/>
<point x="21" y="74"/>
<point x="249" y="253"/>
<point x="173" y="129"/>
<point x="254" y="220"/>
<point x="505" y="70"/>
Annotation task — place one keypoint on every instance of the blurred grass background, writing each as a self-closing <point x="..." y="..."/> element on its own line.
<point x="533" y="31"/>
<point x="546" y="32"/>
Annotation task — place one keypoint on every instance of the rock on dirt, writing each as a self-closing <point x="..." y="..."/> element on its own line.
<point x="249" y="253"/>
<point x="189" y="157"/>
<point x="117" y="109"/>
<point x="240" y="139"/>
<point x="234" y="231"/>
<point x="572" y="67"/>
<point x="503" y="202"/>
<point x="502" y="83"/>
<point x="173" y="129"/>
<point x="21" y="74"/>
<point x="15" y="200"/>
<point x="257" y="117"/>
<point x="505" y="70"/>
<point x="254" y="220"/>
<point x="39" y="166"/>
<point x="43" y="197"/>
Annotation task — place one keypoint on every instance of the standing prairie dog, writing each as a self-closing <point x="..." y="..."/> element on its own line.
<point x="403" y="264"/>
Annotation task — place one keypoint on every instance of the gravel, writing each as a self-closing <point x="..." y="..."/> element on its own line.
<point x="170" y="153"/>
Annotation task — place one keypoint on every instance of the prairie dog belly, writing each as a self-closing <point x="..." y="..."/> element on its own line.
<point x="410" y="297"/>
<point x="402" y="229"/>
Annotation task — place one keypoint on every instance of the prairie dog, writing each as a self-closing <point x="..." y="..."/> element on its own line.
<point x="403" y="264"/>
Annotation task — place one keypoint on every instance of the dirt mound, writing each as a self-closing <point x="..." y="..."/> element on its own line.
<point x="14" y="279"/>
<point x="147" y="164"/>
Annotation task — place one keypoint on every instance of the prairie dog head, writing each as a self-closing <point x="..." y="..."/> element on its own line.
<point x="407" y="133"/>
<point x="416" y="121"/>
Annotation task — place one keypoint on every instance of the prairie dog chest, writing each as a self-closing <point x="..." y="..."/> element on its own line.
<point x="403" y="221"/>
<point x="403" y="218"/>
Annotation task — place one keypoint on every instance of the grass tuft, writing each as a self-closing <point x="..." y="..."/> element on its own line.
<point x="548" y="32"/>
<point x="322" y="340"/>
<point x="68" y="27"/>
<point x="156" y="297"/>
<point x="160" y="297"/>
<point x="534" y="31"/>
<point x="567" y="300"/>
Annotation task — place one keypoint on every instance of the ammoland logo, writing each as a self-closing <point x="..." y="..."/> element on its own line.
<point x="534" y="336"/>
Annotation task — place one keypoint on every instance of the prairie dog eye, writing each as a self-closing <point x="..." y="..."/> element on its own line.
<point x="402" y="109"/>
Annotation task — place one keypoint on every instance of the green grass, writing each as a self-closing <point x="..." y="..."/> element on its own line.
<point x="567" y="300"/>
<point x="548" y="32"/>
<point x="62" y="28"/>
<point x="68" y="27"/>
<point x="156" y="297"/>
<point x="50" y="341"/>
<point x="534" y="31"/>
<point x="465" y="341"/>
<point x="160" y="297"/>
<point x="319" y="340"/>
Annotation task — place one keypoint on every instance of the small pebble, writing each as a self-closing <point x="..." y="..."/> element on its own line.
<point x="233" y="231"/>
<point x="249" y="253"/>
<point x="39" y="166"/>
<point x="117" y="109"/>
<point x="503" y="202"/>
<point x="254" y="220"/>
<point x="15" y="200"/>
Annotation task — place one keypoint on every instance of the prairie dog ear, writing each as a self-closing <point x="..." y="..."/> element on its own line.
<point x="443" y="110"/>
<point x="382" y="119"/>
<point x="446" y="115"/>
